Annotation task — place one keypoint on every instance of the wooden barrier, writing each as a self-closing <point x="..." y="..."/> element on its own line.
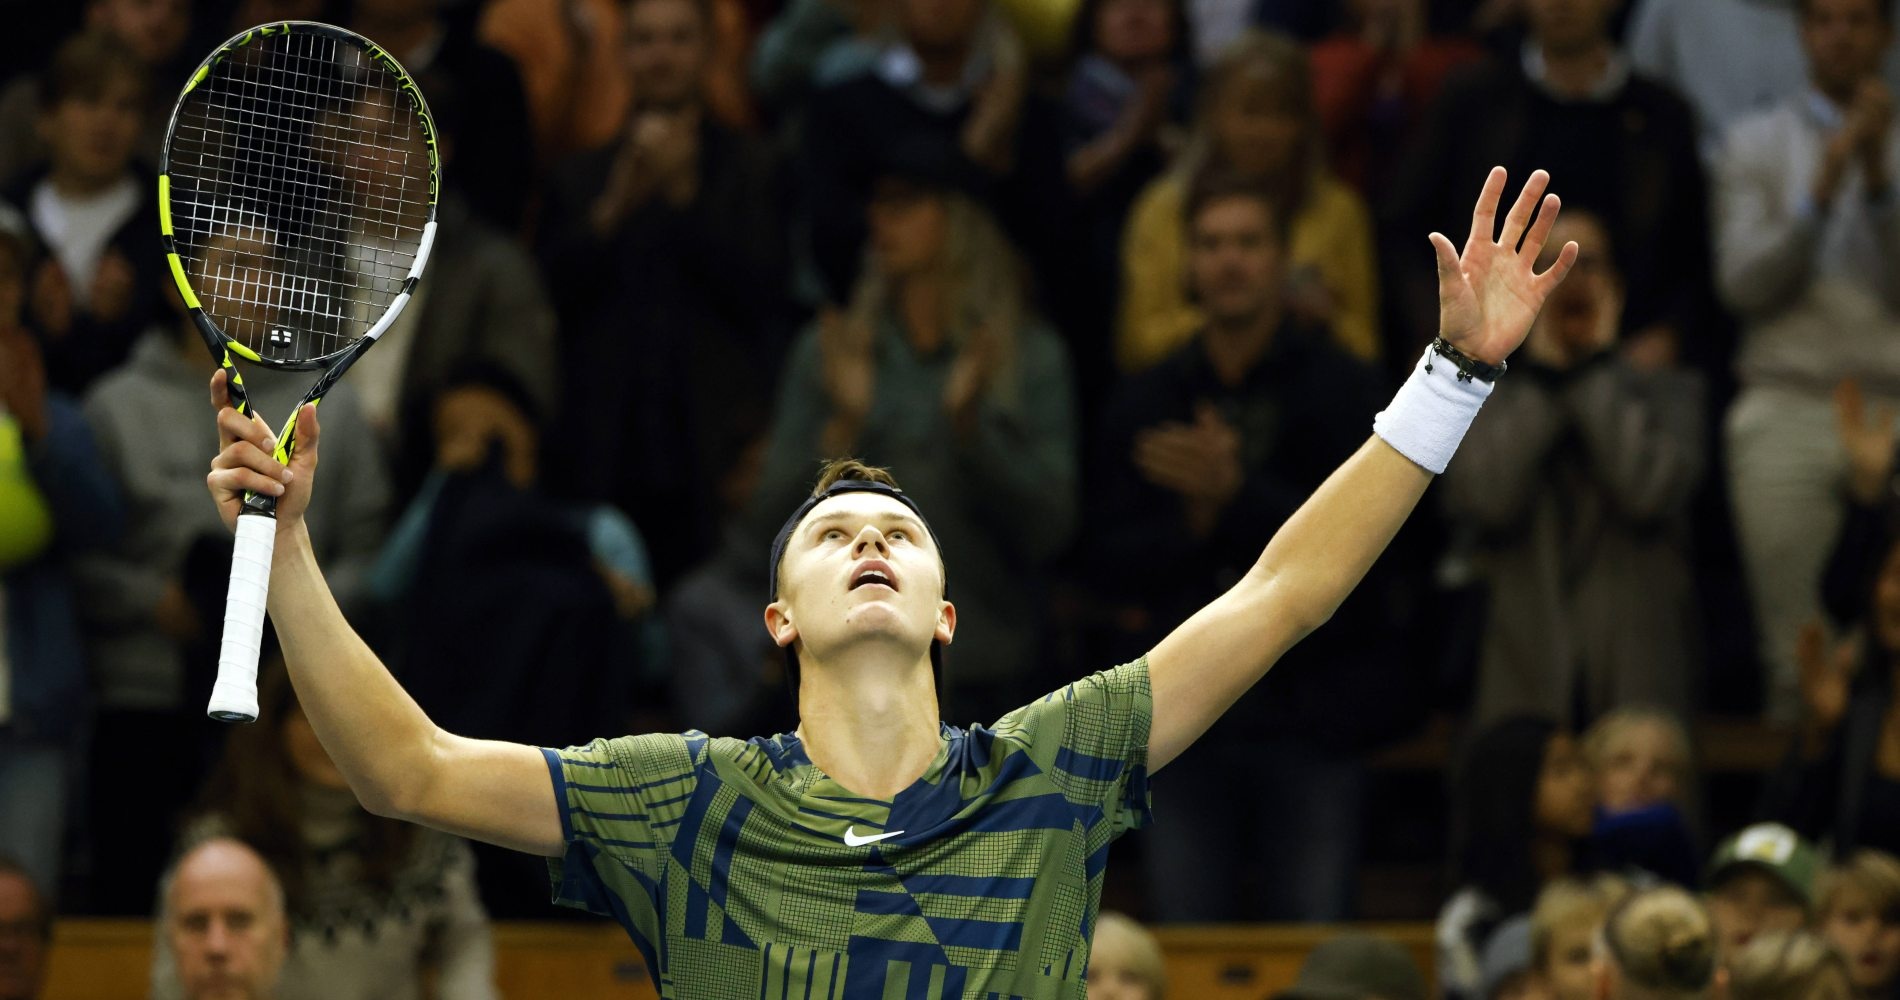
<point x="111" y="959"/>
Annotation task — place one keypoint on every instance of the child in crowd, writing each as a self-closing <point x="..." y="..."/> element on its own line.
<point x="1125" y="963"/>
<point x="1857" y="908"/>
<point x="1645" y="793"/>
<point x="1564" y="926"/>
<point x="1656" y="945"/>
<point x="1789" y="965"/>
<point x="1761" y="880"/>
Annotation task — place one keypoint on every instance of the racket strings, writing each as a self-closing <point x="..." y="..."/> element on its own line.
<point x="300" y="183"/>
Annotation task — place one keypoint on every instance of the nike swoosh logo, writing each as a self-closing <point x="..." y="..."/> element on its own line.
<point x="851" y="839"/>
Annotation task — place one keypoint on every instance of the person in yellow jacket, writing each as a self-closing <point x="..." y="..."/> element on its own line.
<point x="1256" y="119"/>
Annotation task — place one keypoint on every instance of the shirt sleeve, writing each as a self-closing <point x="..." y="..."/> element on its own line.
<point x="1092" y="737"/>
<point x="621" y="801"/>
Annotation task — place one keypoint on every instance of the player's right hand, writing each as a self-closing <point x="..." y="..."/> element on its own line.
<point x="244" y="461"/>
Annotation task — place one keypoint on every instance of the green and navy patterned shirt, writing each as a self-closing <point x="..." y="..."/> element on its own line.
<point x="741" y="870"/>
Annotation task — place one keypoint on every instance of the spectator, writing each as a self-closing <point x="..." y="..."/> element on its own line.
<point x="222" y="932"/>
<point x="938" y="370"/>
<point x="26" y="932"/>
<point x="154" y="33"/>
<point x="1256" y="119"/>
<point x="1627" y="146"/>
<point x="97" y="286"/>
<point x="949" y="89"/>
<point x="1505" y="966"/>
<point x="56" y="501"/>
<point x="1645" y="793"/>
<point x="1125" y="961"/>
<point x="1357" y="967"/>
<point x="813" y="44"/>
<point x="1730" y="58"/>
<point x="1858" y="910"/>
<point x="155" y="599"/>
<point x="667" y="253"/>
<point x="1520" y="819"/>
<point x="376" y="907"/>
<point x="497" y="149"/>
<point x="1789" y="965"/>
<point x="1123" y="101"/>
<point x="1564" y="929"/>
<point x="1809" y="259"/>
<point x="1761" y="880"/>
<point x="1659" y="945"/>
<point x="1206" y="454"/>
<point x="1578" y="485"/>
<point x="1374" y="80"/>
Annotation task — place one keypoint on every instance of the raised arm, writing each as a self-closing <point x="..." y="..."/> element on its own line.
<point x="398" y="762"/>
<point x="1487" y="299"/>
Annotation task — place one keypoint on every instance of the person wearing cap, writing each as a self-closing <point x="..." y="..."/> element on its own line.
<point x="1357" y="967"/>
<point x="1761" y="880"/>
<point x="874" y="850"/>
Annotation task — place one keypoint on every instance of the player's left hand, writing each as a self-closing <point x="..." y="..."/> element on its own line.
<point x="1489" y="295"/>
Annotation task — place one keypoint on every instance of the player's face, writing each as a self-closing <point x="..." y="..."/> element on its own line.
<point x="1867" y="938"/>
<point x="861" y="568"/>
<point x="22" y="948"/>
<point x="1844" y="41"/>
<point x="1235" y="259"/>
<point x="1751" y="902"/>
<point x="666" y="51"/>
<point x="228" y="939"/>
<point x="1640" y="767"/>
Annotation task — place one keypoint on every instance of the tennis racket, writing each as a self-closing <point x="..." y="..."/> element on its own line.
<point x="297" y="195"/>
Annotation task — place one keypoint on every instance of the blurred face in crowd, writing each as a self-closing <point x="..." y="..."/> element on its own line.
<point x="1844" y="41"/>
<point x="1868" y="938"/>
<point x="1566" y="26"/>
<point x="1522" y="986"/>
<point x="90" y="136"/>
<point x="1236" y="261"/>
<point x="1256" y="130"/>
<point x="1567" y="972"/>
<point x="1115" y="961"/>
<point x="155" y="29"/>
<point x="940" y="27"/>
<point x="1572" y="313"/>
<point x="908" y="229"/>
<point x="307" y="755"/>
<point x="1887" y="602"/>
<point x="1565" y="792"/>
<point x="1749" y="901"/>
<point x="22" y="938"/>
<point x="225" y="922"/>
<point x="1641" y="766"/>
<point x="1134" y="31"/>
<point x="667" y="47"/>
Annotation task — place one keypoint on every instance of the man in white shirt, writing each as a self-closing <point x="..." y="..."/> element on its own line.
<point x="1808" y="257"/>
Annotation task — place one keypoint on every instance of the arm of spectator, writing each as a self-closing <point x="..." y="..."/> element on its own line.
<point x="1018" y="460"/>
<point x="1764" y="254"/>
<point x="1491" y="481"/>
<point x="1645" y="441"/>
<point x="464" y="948"/>
<point x="1868" y="439"/>
<point x="789" y="48"/>
<point x="1155" y="314"/>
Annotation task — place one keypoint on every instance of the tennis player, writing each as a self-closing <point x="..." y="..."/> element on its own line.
<point x="875" y="851"/>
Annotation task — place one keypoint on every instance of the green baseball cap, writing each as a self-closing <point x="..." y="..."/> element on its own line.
<point x="1772" y="848"/>
<point x="1355" y="967"/>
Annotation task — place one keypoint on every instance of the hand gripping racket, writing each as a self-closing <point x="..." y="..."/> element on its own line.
<point x="296" y="196"/>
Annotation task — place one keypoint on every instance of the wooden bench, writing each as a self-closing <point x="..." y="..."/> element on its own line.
<point x="111" y="959"/>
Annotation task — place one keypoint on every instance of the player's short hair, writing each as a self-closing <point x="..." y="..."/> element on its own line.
<point x="1873" y="874"/>
<point x="1217" y="185"/>
<point x="850" y="468"/>
<point x="85" y="66"/>
<point x="42" y="907"/>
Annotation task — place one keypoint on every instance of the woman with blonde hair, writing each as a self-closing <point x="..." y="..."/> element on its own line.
<point x="1125" y="961"/>
<point x="1789" y="965"/>
<point x="1256" y="120"/>
<point x="1657" y="945"/>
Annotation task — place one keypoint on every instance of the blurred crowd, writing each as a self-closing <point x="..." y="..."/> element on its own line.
<point x="1111" y="285"/>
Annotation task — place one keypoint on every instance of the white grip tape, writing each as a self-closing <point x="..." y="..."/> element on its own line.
<point x="234" y="696"/>
<point x="1431" y="413"/>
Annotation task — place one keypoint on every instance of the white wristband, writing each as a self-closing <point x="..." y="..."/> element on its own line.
<point x="1431" y="412"/>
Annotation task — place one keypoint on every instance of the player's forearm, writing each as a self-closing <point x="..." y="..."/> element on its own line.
<point x="379" y="737"/>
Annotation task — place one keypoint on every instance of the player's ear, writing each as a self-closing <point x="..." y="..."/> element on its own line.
<point x="946" y="622"/>
<point x="778" y="624"/>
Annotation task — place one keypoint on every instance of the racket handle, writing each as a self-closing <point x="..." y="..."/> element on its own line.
<point x="234" y="696"/>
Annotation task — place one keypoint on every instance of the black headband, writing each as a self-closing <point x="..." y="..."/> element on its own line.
<point x="840" y="488"/>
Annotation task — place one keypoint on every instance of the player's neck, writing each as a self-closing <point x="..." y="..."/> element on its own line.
<point x="873" y="729"/>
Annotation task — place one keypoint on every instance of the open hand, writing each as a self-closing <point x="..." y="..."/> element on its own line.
<point x="1868" y="439"/>
<point x="1489" y="295"/>
<point x="244" y="461"/>
<point x="1827" y="677"/>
